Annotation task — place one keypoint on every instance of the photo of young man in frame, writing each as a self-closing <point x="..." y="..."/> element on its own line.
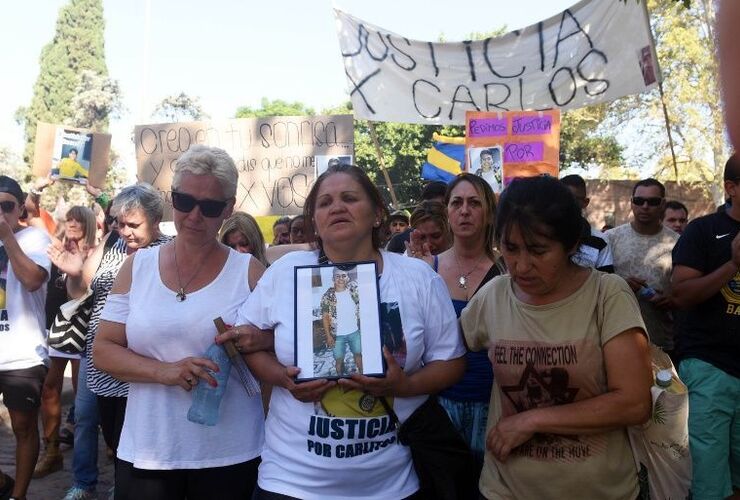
<point x="338" y="321"/>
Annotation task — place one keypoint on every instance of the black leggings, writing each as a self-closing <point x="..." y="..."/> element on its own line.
<point x="232" y="482"/>
<point x="112" y="411"/>
<point x="260" y="494"/>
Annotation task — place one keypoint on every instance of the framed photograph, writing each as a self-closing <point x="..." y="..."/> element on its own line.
<point x="323" y="162"/>
<point x="71" y="156"/>
<point x="337" y="321"/>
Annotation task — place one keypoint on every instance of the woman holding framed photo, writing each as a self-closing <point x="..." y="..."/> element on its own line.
<point x="334" y="439"/>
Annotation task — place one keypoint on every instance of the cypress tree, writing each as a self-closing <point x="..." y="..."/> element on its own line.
<point x="78" y="45"/>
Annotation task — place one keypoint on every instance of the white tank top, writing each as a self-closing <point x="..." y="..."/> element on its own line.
<point x="156" y="432"/>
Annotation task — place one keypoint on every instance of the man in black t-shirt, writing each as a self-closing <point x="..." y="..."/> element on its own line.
<point x="706" y="283"/>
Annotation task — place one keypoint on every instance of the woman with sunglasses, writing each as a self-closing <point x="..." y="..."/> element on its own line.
<point x="156" y="327"/>
<point x="335" y="440"/>
<point x="78" y="238"/>
<point x="101" y="399"/>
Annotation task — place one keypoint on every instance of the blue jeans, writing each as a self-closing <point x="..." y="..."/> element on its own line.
<point x="352" y="340"/>
<point x="85" y="459"/>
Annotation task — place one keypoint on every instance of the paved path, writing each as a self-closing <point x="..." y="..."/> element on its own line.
<point x="53" y="486"/>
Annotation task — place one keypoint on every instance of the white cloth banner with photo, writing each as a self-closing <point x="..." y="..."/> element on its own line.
<point x="594" y="52"/>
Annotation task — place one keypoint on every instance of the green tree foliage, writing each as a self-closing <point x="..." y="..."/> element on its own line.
<point x="179" y="108"/>
<point x="276" y="107"/>
<point x="97" y="98"/>
<point x="584" y="145"/>
<point x="686" y="51"/>
<point x="77" y="46"/>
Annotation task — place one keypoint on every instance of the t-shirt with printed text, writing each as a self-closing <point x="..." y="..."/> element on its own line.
<point x="345" y="446"/>
<point x="553" y="355"/>
<point x="22" y="313"/>
<point x="711" y="330"/>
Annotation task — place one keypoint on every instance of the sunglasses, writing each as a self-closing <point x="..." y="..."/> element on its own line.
<point x="652" y="202"/>
<point x="186" y="203"/>
<point x="7" y="206"/>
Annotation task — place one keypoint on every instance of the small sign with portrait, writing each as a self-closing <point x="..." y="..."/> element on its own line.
<point x="337" y="321"/>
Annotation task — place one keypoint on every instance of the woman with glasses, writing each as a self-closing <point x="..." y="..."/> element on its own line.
<point x="79" y="238"/>
<point x="335" y="440"/>
<point x="156" y="327"/>
<point x="101" y="399"/>
<point x="241" y="233"/>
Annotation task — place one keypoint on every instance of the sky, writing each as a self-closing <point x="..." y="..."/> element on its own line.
<point x="232" y="53"/>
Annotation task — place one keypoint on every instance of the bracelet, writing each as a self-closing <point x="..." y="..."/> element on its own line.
<point x="103" y="200"/>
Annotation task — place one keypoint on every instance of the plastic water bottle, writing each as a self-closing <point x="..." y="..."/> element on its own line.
<point x="664" y="380"/>
<point x="206" y="398"/>
<point x="646" y="292"/>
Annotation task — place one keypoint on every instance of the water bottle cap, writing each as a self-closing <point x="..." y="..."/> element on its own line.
<point x="664" y="378"/>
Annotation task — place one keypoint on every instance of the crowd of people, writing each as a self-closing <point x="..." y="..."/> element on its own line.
<point x="528" y="326"/>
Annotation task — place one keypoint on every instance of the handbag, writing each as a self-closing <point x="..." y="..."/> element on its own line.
<point x="68" y="331"/>
<point x="661" y="445"/>
<point x="442" y="460"/>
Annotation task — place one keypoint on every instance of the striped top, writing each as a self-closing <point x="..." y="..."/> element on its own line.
<point x="99" y="382"/>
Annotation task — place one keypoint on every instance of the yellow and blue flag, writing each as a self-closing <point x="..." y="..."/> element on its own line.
<point x="445" y="159"/>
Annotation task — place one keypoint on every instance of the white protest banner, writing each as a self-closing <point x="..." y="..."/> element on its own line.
<point x="275" y="157"/>
<point x="594" y="52"/>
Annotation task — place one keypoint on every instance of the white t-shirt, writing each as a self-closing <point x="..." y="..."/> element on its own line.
<point x="22" y="314"/>
<point x="345" y="445"/>
<point x="346" y="313"/>
<point x="156" y="431"/>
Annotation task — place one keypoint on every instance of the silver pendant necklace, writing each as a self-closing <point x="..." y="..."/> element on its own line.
<point x="462" y="279"/>
<point x="181" y="296"/>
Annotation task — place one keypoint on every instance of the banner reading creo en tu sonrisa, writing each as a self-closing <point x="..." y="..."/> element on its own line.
<point x="593" y="52"/>
<point x="277" y="157"/>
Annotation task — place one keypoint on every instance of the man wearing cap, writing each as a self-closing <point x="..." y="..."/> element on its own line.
<point x="398" y="222"/>
<point x="24" y="271"/>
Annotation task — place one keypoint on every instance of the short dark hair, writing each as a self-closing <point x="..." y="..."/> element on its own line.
<point x="676" y="205"/>
<point x="575" y="181"/>
<point x="649" y="182"/>
<point x="282" y="220"/>
<point x="435" y="189"/>
<point x="73" y="149"/>
<point x="294" y="220"/>
<point x="541" y="206"/>
<point x="359" y="175"/>
<point x="732" y="168"/>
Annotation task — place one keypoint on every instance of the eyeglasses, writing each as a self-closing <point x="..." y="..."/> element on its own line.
<point x="186" y="203"/>
<point x="7" y="206"/>
<point x="652" y="202"/>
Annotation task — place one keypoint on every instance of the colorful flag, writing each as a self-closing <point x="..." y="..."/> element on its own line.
<point x="445" y="159"/>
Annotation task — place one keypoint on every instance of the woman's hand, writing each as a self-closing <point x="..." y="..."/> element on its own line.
<point x="509" y="433"/>
<point x="248" y="339"/>
<point x="394" y="383"/>
<point x="68" y="260"/>
<point x="186" y="372"/>
<point x="418" y="249"/>
<point x="307" y="392"/>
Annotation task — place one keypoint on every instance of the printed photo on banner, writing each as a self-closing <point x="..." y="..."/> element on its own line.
<point x="501" y="146"/>
<point x="71" y="156"/>
<point x="488" y="163"/>
<point x="337" y="321"/>
<point x="323" y="162"/>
